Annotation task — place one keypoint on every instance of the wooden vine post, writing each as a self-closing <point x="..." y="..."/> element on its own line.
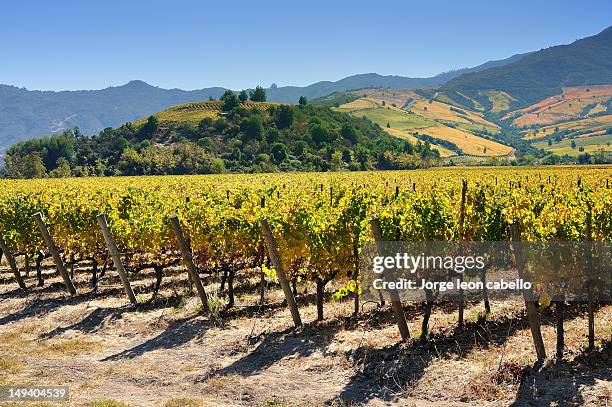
<point x="188" y="259"/>
<point x="464" y="185"/>
<point x="114" y="252"/>
<point x="12" y="263"/>
<point x="356" y="282"/>
<point x="396" y="304"/>
<point x="589" y="279"/>
<point x="280" y="273"/>
<point x="530" y="305"/>
<point x="261" y="250"/>
<point x="57" y="259"/>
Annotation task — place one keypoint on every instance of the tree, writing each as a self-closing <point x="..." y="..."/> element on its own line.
<point x="349" y="133"/>
<point x="243" y="97"/>
<point x="279" y="153"/>
<point x="272" y="135"/>
<point x="50" y="148"/>
<point x="149" y="128"/>
<point x="62" y="169"/>
<point x="284" y="116"/>
<point x="388" y="125"/>
<point x="573" y="144"/>
<point x="253" y="127"/>
<point x="33" y="166"/>
<point x="258" y="95"/>
<point x="584" y="158"/>
<point x="229" y="101"/>
<point x="303" y="101"/>
<point x="320" y="134"/>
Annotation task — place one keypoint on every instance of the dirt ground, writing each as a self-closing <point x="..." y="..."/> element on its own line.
<point x="165" y="353"/>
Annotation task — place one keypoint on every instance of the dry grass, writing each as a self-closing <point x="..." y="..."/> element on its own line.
<point x="421" y="116"/>
<point x="107" y="403"/>
<point x="70" y="347"/>
<point x="9" y="365"/>
<point x="580" y="126"/>
<point x="442" y="111"/>
<point x="403" y="134"/>
<point x="184" y="402"/>
<point x="564" y="107"/>
<point x="467" y="142"/>
<point x="169" y="355"/>
<point x="397" y="97"/>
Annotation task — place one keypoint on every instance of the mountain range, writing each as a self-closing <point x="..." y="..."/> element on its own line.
<point x="513" y="83"/>
<point x="541" y="74"/>
<point x="25" y="113"/>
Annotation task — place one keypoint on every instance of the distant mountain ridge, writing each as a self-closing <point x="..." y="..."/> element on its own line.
<point x="540" y="74"/>
<point x="25" y="114"/>
<point x="493" y="88"/>
<point x="290" y="94"/>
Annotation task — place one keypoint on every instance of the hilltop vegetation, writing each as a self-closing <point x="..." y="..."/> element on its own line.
<point x="222" y="136"/>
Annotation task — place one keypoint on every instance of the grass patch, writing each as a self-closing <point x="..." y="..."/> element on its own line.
<point x="499" y="99"/>
<point x="15" y="337"/>
<point x="107" y="403"/>
<point x="70" y="347"/>
<point x="183" y="402"/>
<point x="9" y="365"/>
<point x="273" y="402"/>
<point x="220" y="383"/>
<point x="397" y="118"/>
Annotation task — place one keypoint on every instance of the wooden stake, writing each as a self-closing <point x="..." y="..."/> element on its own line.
<point x="12" y="263"/>
<point x="464" y="186"/>
<point x="589" y="280"/>
<point x="114" y="252"/>
<point x="532" y="311"/>
<point x="396" y="304"/>
<point x="188" y="258"/>
<point x="57" y="259"/>
<point x="282" y="277"/>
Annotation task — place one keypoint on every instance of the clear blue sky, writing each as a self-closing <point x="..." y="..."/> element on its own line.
<point x="194" y="44"/>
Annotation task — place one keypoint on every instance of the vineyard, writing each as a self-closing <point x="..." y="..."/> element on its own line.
<point x="243" y="245"/>
<point x="195" y="112"/>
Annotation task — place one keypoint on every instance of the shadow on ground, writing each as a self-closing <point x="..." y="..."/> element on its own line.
<point x="562" y="383"/>
<point x="177" y="333"/>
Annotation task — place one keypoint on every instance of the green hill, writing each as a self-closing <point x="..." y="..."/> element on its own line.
<point x="214" y="137"/>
